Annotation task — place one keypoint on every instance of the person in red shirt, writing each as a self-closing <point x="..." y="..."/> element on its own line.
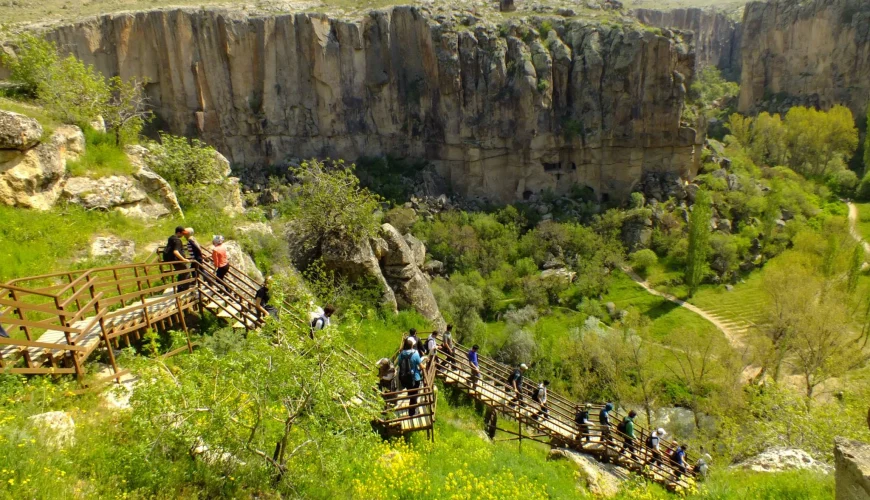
<point x="221" y="262"/>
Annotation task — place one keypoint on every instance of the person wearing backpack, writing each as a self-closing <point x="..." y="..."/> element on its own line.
<point x="173" y="253"/>
<point x="678" y="457"/>
<point x="412" y="336"/>
<point x="515" y="384"/>
<point x="409" y="373"/>
<point x="654" y="443"/>
<point x="447" y="347"/>
<point x="540" y="397"/>
<point x="583" y="423"/>
<point x="321" y="322"/>
<point x="474" y="364"/>
<point x="604" y="420"/>
<point x="626" y="427"/>
<point x="432" y="344"/>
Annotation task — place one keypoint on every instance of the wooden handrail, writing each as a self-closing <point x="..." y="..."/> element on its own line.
<point x="46" y="345"/>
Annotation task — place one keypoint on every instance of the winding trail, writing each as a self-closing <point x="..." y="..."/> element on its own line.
<point x="853" y="226"/>
<point x="734" y="338"/>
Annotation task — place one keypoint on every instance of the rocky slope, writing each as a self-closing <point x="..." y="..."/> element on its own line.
<point x="812" y="52"/>
<point x="717" y="36"/>
<point x="503" y="112"/>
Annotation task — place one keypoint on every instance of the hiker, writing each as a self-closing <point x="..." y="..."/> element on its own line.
<point x="174" y="253"/>
<point x="262" y="298"/>
<point x="540" y="397"/>
<point x="626" y="427"/>
<point x="447" y="346"/>
<point x="220" y="259"/>
<point x="386" y="375"/>
<point x="654" y="443"/>
<point x="412" y="336"/>
<point x="583" y="423"/>
<point x="431" y="344"/>
<point x="322" y="321"/>
<point x="409" y="373"/>
<point x="604" y="420"/>
<point x="193" y="245"/>
<point x="475" y="367"/>
<point x="702" y="465"/>
<point x="679" y="458"/>
<point x="515" y="383"/>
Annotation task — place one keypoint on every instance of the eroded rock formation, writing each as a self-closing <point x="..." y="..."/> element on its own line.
<point x="502" y="113"/>
<point x="853" y="469"/>
<point x="717" y="35"/>
<point x="811" y="53"/>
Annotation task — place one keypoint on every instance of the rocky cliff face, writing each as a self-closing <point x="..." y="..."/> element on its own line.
<point x="717" y="36"/>
<point x="812" y="53"/>
<point x="853" y="469"/>
<point x="501" y="112"/>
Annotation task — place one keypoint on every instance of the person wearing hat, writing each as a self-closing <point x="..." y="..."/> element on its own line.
<point x="654" y="443"/>
<point x="582" y="420"/>
<point x="515" y="383"/>
<point x="220" y="259"/>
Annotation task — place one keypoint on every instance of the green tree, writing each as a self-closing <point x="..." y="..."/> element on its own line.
<point x="191" y="166"/>
<point x="331" y="203"/>
<point x="699" y="241"/>
<point x="74" y="92"/>
<point x="30" y="65"/>
<point x="126" y="111"/>
<point x="815" y="138"/>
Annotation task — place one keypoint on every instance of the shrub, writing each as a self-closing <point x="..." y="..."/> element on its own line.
<point x="401" y="218"/>
<point x="843" y="183"/>
<point x="30" y="66"/>
<point x="642" y="260"/>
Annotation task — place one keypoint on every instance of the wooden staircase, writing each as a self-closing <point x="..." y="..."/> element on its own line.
<point x="558" y="427"/>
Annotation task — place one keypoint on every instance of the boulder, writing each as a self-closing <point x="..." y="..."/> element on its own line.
<point x="239" y="259"/>
<point x="358" y="262"/>
<point x="418" y="249"/>
<point x="255" y="228"/>
<point x="18" y="132"/>
<point x="55" y="429"/>
<point x="411" y="288"/>
<point x="114" y="248"/>
<point x="33" y="178"/>
<point x="602" y="480"/>
<point x="852" y="459"/>
<point x="561" y="275"/>
<point x="782" y="459"/>
<point x="434" y="267"/>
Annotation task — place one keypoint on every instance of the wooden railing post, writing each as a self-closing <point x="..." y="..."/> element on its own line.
<point x="69" y="341"/>
<point x="106" y="339"/>
<point x="183" y="322"/>
<point x="78" y="304"/>
<point x="118" y="285"/>
<point x="21" y="315"/>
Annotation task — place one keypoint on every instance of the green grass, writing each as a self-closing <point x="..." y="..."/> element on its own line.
<point x="863" y="223"/>
<point x="665" y="315"/>
<point x="102" y="158"/>
<point x="743" y="304"/>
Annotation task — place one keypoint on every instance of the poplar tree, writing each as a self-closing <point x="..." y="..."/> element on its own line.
<point x="699" y="241"/>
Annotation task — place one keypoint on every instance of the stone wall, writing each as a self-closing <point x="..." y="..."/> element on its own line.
<point x="717" y="36"/>
<point x="814" y="52"/>
<point x="502" y="113"/>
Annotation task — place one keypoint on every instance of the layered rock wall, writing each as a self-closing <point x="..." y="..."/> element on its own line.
<point x="717" y="36"/>
<point x="813" y="52"/>
<point x="502" y="113"/>
<point x="853" y="469"/>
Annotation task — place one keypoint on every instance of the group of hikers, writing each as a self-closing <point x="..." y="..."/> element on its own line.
<point x="407" y="375"/>
<point x="183" y="243"/>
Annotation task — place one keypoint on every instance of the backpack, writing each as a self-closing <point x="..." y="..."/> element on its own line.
<point x="431" y="347"/>
<point x="168" y="256"/>
<point x="603" y="417"/>
<point x="536" y="396"/>
<point x="675" y="456"/>
<point x="622" y="426"/>
<point x="314" y="323"/>
<point x="652" y="441"/>
<point x="406" y="371"/>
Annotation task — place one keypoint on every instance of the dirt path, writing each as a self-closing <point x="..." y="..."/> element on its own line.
<point x="853" y="226"/>
<point x="734" y="338"/>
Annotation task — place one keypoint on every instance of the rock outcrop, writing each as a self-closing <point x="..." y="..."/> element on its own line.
<point x="717" y="35"/>
<point x="113" y="247"/>
<point x="782" y="459"/>
<point x="389" y="263"/>
<point x="32" y="171"/>
<point x="500" y="112"/>
<point x="55" y="429"/>
<point x="810" y="53"/>
<point x="853" y="469"/>
<point x="602" y="480"/>
<point x="240" y="259"/>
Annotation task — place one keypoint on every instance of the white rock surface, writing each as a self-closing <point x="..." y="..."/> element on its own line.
<point x="239" y="259"/>
<point x="602" y="480"/>
<point x="55" y="429"/>
<point x="113" y="247"/>
<point x="18" y="131"/>
<point x="783" y="459"/>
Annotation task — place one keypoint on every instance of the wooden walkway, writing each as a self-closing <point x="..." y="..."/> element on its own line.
<point x="557" y="426"/>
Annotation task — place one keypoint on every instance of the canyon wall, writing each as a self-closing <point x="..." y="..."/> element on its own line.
<point x="814" y="52"/>
<point x="501" y="112"/>
<point x="717" y="36"/>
